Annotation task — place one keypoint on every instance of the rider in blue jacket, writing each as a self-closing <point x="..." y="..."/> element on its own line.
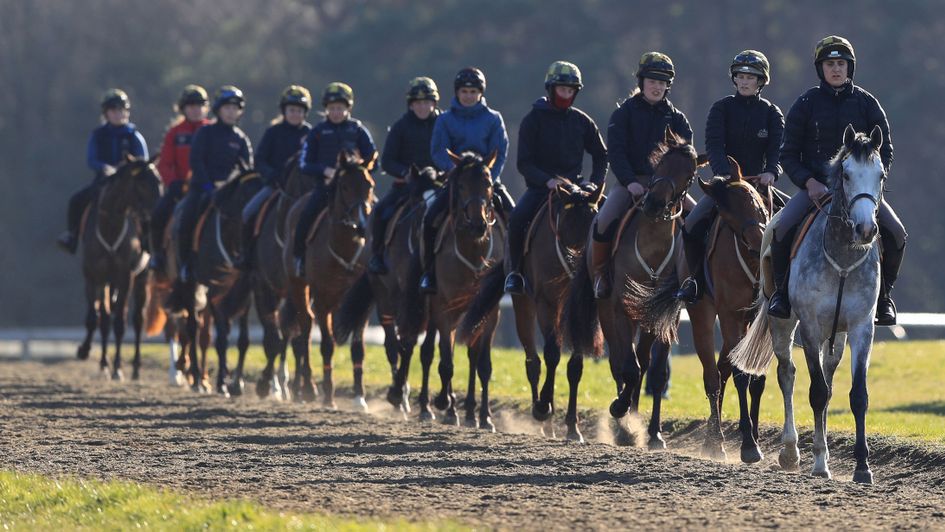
<point x="327" y="139"/>
<point x="109" y="145"/>
<point x="217" y="151"/>
<point x="469" y="125"/>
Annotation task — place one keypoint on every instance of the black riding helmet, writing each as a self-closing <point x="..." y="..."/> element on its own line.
<point x="834" y="47"/>
<point x="295" y="95"/>
<point x="751" y="62"/>
<point x="115" y="99"/>
<point x="422" y="88"/>
<point x="656" y="65"/>
<point x="192" y="94"/>
<point x="228" y="94"/>
<point x="470" y="77"/>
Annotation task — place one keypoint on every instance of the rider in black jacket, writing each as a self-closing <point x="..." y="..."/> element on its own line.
<point x="552" y="141"/>
<point x="813" y="134"/>
<point x="747" y="128"/>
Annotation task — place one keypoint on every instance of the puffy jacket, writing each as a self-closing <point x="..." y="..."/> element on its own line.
<point x="326" y="140"/>
<point x="747" y="128"/>
<point x="174" y="164"/>
<point x="635" y="129"/>
<point x="216" y="152"/>
<point x="476" y="128"/>
<point x="813" y="131"/>
<point x="552" y="142"/>
<point x="110" y="144"/>
<point x="408" y="142"/>
<point x="278" y="144"/>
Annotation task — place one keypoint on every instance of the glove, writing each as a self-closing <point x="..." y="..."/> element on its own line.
<point x="589" y="186"/>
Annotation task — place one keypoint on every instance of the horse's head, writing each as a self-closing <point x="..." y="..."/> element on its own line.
<point x="740" y="206"/>
<point x="471" y="190"/>
<point x="579" y="206"/>
<point x="857" y="180"/>
<point x="353" y="191"/>
<point x="421" y="182"/>
<point x="674" y="163"/>
<point x="135" y="186"/>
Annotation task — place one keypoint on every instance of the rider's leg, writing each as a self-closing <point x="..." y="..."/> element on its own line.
<point x="695" y="230"/>
<point x="618" y="201"/>
<point x="383" y="212"/>
<point x="893" y="236"/>
<point x="316" y="202"/>
<point x="521" y="218"/>
<point x="248" y="227"/>
<point x="193" y="204"/>
<point x="69" y="240"/>
<point x="430" y="229"/>
<point x="791" y="217"/>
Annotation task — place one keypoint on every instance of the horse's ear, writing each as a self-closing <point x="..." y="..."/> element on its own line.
<point x="876" y="138"/>
<point x="490" y="162"/>
<point x="736" y="170"/>
<point x="453" y="157"/>
<point x="849" y="135"/>
<point x="701" y="160"/>
<point x="369" y="165"/>
<point x="598" y="194"/>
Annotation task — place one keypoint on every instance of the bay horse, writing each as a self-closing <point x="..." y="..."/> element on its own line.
<point x="646" y="258"/>
<point x="217" y="284"/>
<point x="334" y="260"/>
<point x="732" y="265"/>
<point x="468" y="244"/>
<point x="113" y="258"/>
<point x="833" y="288"/>
<point x="554" y="247"/>
<point x="276" y="311"/>
<point x="386" y="291"/>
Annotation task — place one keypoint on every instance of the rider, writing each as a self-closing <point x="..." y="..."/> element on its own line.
<point x="635" y="129"/>
<point x="552" y="140"/>
<point x="279" y="143"/>
<point x="109" y="145"/>
<point x="218" y="150"/>
<point x="747" y="128"/>
<point x="813" y="134"/>
<point x="469" y="125"/>
<point x="174" y="164"/>
<point x="327" y="139"/>
<point x="408" y="143"/>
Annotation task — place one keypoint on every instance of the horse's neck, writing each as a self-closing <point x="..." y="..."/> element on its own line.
<point x="108" y="220"/>
<point x="655" y="234"/>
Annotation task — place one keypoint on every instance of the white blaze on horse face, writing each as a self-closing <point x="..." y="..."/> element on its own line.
<point x="863" y="178"/>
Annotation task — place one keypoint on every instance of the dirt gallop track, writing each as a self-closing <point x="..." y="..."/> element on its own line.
<point x="60" y="418"/>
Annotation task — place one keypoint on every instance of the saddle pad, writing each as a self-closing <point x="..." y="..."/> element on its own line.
<point x="392" y="224"/>
<point x="263" y="210"/>
<point x="624" y="222"/>
<point x="533" y="227"/>
<point x="805" y="227"/>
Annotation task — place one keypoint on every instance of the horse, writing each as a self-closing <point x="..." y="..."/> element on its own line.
<point x="113" y="258"/>
<point x="218" y="284"/>
<point x="833" y="288"/>
<point x="732" y="265"/>
<point x="334" y="261"/>
<point x="386" y="291"/>
<point x="645" y="262"/>
<point x="555" y="246"/>
<point x="468" y="244"/>
<point x="270" y="284"/>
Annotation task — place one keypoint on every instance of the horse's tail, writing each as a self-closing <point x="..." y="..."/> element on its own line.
<point x="656" y="308"/>
<point x="584" y="334"/>
<point x="412" y="314"/>
<point x="155" y="316"/>
<point x="754" y="352"/>
<point x="236" y="299"/>
<point x="486" y="300"/>
<point x="354" y="310"/>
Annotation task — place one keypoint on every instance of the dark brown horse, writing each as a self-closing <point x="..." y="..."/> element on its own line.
<point x="218" y="285"/>
<point x="387" y="290"/>
<point x="555" y="246"/>
<point x="733" y="268"/>
<point x="113" y="260"/>
<point x="271" y="286"/>
<point x="468" y="245"/>
<point x="334" y="260"/>
<point x="647" y="253"/>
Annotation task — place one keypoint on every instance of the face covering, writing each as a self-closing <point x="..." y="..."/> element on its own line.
<point x="561" y="103"/>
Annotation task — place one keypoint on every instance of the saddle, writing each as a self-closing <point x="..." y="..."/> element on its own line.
<point x="392" y="224"/>
<point x="767" y="279"/>
<point x="533" y="227"/>
<point x="263" y="210"/>
<point x="316" y="224"/>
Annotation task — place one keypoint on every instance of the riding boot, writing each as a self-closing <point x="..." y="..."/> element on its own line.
<point x="780" y="304"/>
<point x="514" y="281"/>
<point x="68" y="241"/>
<point x="428" y="281"/>
<point x="376" y="265"/>
<point x="600" y="266"/>
<point x="889" y="272"/>
<point x="693" y="287"/>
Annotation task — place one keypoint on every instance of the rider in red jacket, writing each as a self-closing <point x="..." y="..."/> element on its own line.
<point x="174" y="164"/>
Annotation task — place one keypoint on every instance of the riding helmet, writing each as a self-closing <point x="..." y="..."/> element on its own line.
<point x="422" y="89"/>
<point x="228" y="94"/>
<point x="751" y="62"/>
<point x="656" y="65"/>
<point x="834" y="47"/>
<point x="296" y="95"/>
<point x="115" y="99"/>
<point x="563" y="73"/>
<point x="470" y="77"/>
<point x="338" y="92"/>
<point x="192" y="94"/>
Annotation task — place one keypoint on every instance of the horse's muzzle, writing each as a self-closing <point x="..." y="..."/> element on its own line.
<point x="865" y="233"/>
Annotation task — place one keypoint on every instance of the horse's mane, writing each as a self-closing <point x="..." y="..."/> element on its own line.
<point x="469" y="159"/>
<point x="676" y="144"/>
<point x="721" y="192"/>
<point x="861" y="151"/>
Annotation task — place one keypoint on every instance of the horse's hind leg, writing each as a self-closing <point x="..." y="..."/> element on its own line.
<point x="242" y="346"/>
<point x="860" y="346"/>
<point x="139" y="294"/>
<point x="524" y="309"/>
<point x="658" y="373"/>
<point x="782" y="337"/>
<point x="818" y="402"/>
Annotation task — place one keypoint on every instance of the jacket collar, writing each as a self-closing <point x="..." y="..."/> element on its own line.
<point x="844" y="91"/>
<point x="469" y="112"/>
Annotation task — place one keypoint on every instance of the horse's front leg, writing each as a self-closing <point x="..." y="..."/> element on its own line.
<point x="733" y="329"/>
<point x="91" y="321"/>
<point x="484" y="371"/>
<point x="221" y="343"/>
<point x="357" y="364"/>
<point x="242" y="346"/>
<point x="524" y="309"/>
<point x="819" y="398"/>
<point x="427" y="353"/>
<point x="139" y="295"/>
<point x="446" y="400"/>
<point x="327" y="348"/>
<point x="118" y="326"/>
<point x="860" y="346"/>
<point x="104" y="327"/>
<point x="702" y="318"/>
<point x="659" y="375"/>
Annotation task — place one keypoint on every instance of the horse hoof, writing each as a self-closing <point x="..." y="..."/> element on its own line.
<point x="395" y="395"/>
<point x="262" y="388"/>
<point x="622" y="437"/>
<point x="618" y="408"/>
<point x="789" y="461"/>
<point x="574" y="435"/>
<point x="441" y="402"/>
<point x="542" y="410"/>
<point x="427" y="416"/>
<point x="307" y="393"/>
<point x="236" y="387"/>
<point x="487" y="425"/>
<point x="223" y="392"/>
<point x="178" y="379"/>
<point x="118" y="375"/>
<point x="751" y="454"/>
<point x="405" y="406"/>
<point x="863" y="476"/>
<point x="83" y="352"/>
<point x="360" y="404"/>
<point x="451" y="420"/>
<point x="714" y="451"/>
<point x="135" y="375"/>
<point x="825" y="473"/>
<point x="656" y="442"/>
<point x="471" y="423"/>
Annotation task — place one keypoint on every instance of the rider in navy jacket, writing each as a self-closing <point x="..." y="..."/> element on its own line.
<point x="813" y="134"/>
<point x="109" y="145"/>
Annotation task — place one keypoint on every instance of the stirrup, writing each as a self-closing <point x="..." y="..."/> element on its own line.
<point x="886" y="318"/>
<point x="428" y="283"/>
<point x="514" y="283"/>
<point x="779" y="306"/>
<point x="299" y="267"/>
<point x="689" y="291"/>
<point x="602" y="287"/>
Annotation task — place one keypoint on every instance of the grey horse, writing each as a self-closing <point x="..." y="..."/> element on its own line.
<point x="833" y="288"/>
